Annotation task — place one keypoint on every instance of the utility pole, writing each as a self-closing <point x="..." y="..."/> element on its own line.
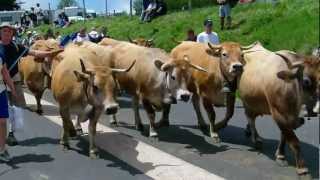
<point x="84" y="9"/>
<point x="50" y="14"/>
<point x="106" y="7"/>
<point x="131" y="8"/>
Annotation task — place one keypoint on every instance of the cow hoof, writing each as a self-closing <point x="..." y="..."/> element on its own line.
<point x="303" y="172"/>
<point x="94" y="155"/>
<point x="39" y="111"/>
<point x="282" y="162"/>
<point x="139" y="127"/>
<point x="113" y="123"/>
<point x="79" y="132"/>
<point x="153" y="134"/>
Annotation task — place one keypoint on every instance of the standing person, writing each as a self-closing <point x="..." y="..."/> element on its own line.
<point x="4" y="111"/>
<point x="39" y="14"/>
<point x="10" y="52"/>
<point x="145" y="4"/>
<point x="224" y="11"/>
<point x="208" y="36"/>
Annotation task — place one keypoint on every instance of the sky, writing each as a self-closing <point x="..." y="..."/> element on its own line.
<point x="97" y="5"/>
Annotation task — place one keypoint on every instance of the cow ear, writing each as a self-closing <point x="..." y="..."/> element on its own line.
<point x="81" y="76"/>
<point x="158" y="63"/>
<point x="286" y="75"/>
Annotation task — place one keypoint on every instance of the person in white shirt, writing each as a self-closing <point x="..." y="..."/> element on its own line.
<point x="81" y="36"/>
<point x="208" y="36"/>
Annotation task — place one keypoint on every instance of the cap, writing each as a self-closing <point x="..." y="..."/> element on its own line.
<point x="8" y="25"/>
<point x="208" y="22"/>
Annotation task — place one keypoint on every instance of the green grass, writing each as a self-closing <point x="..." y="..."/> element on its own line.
<point x="292" y="25"/>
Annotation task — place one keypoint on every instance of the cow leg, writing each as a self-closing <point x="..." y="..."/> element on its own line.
<point x="292" y="140"/>
<point x="113" y="120"/>
<point x="152" y="115"/>
<point x="92" y="133"/>
<point x="38" y="97"/>
<point x="231" y="99"/>
<point x="78" y="126"/>
<point x="137" y="118"/>
<point x="280" y="153"/>
<point x="196" y="105"/>
<point x="67" y="128"/>
<point x="164" y="122"/>
<point x="255" y="138"/>
<point x="207" y="104"/>
<point x="293" y="143"/>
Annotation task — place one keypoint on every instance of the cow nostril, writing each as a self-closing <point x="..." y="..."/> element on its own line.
<point x="185" y="97"/>
<point x="238" y="67"/>
<point x="306" y="82"/>
<point x="112" y="110"/>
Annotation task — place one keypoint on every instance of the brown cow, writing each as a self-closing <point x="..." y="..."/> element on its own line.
<point x="265" y="93"/>
<point x="83" y="84"/>
<point x="35" y="74"/>
<point x="146" y="82"/>
<point x="222" y="62"/>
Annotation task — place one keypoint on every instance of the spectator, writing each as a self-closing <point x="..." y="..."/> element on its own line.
<point x="94" y="35"/>
<point x="10" y="54"/>
<point x="39" y="14"/>
<point x="81" y="36"/>
<point x="145" y="5"/>
<point x="33" y="17"/>
<point x="224" y="11"/>
<point x="208" y="36"/>
<point x="191" y="35"/>
<point x="104" y="32"/>
<point x="150" y="11"/>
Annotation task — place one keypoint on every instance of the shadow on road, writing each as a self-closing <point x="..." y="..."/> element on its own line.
<point x="38" y="141"/>
<point x="235" y="135"/>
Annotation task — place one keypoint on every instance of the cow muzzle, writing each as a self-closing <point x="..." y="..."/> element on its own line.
<point x="236" y="68"/>
<point x="112" y="109"/>
<point x="183" y="95"/>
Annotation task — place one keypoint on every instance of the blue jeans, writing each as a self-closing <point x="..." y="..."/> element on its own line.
<point x="4" y="112"/>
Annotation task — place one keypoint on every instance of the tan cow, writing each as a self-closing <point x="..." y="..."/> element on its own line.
<point x="265" y="93"/>
<point x="84" y="84"/>
<point x="35" y="74"/>
<point x="222" y="63"/>
<point x="146" y="82"/>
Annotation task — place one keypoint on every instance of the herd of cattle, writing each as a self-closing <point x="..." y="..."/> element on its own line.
<point x="86" y="78"/>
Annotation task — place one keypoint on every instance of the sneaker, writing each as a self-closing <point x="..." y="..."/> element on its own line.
<point x="11" y="140"/>
<point x="4" y="156"/>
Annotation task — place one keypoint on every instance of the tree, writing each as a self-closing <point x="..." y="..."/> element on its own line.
<point x="8" y="5"/>
<point x="66" y="3"/>
<point x="137" y="6"/>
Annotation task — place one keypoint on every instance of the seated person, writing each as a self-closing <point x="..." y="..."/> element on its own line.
<point x="81" y="36"/>
<point x="191" y="35"/>
<point x="94" y="36"/>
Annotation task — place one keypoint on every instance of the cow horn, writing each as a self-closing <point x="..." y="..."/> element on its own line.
<point x="199" y="68"/>
<point x="214" y="47"/>
<point x="124" y="70"/>
<point x="289" y="64"/>
<point x="250" y="46"/>
<point x="150" y="40"/>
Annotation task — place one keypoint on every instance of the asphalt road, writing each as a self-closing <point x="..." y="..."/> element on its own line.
<point x="39" y="155"/>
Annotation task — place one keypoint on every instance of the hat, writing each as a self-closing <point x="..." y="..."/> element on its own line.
<point x="208" y="22"/>
<point x="8" y="25"/>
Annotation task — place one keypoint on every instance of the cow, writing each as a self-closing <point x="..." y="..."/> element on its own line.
<point x="84" y="84"/>
<point x="222" y="63"/>
<point x="146" y="82"/>
<point x="36" y="74"/>
<point x="273" y="92"/>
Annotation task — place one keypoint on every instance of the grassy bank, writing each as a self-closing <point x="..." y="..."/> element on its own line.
<point x="291" y="24"/>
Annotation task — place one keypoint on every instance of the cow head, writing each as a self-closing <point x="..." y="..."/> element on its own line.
<point x="230" y="56"/>
<point x="178" y="76"/>
<point x="99" y="85"/>
<point x="142" y="42"/>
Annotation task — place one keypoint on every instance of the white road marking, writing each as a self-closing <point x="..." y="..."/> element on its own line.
<point x="153" y="162"/>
